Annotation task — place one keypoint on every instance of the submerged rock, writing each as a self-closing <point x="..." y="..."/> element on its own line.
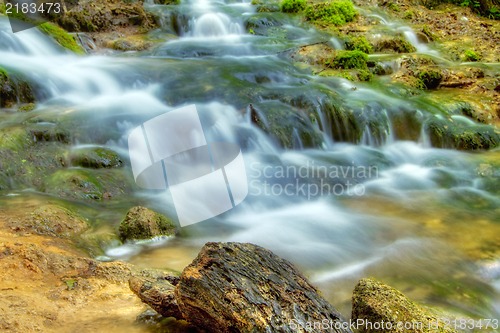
<point x="14" y="90"/>
<point x="384" y="309"/>
<point x="53" y="220"/>
<point x="95" y="158"/>
<point x="241" y="287"/>
<point x="143" y="223"/>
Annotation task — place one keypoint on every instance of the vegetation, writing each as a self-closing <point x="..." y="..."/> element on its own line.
<point x="470" y="55"/>
<point x="430" y="78"/>
<point x="398" y="45"/>
<point x="487" y="8"/>
<point x="293" y="6"/>
<point x="350" y="60"/>
<point x="336" y="13"/>
<point x="61" y="36"/>
<point x="360" y="44"/>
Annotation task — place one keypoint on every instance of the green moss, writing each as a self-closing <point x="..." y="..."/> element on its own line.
<point x="95" y="158"/>
<point x="398" y="45"/>
<point x="337" y="12"/>
<point x="143" y="223"/>
<point x="394" y="7"/>
<point x="409" y="14"/>
<point x="426" y="30"/>
<point x="3" y="74"/>
<point x="375" y="302"/>
<point x="61" y="37"/>
<point x="293" y="6"/>
<point x="360" y="44"/>
<point x="349" y="60"/>
<point x="27" y="107"/>
<point x="470" y="55"/>
<point x="430" y="78"/>
<point x="364" y="75"/>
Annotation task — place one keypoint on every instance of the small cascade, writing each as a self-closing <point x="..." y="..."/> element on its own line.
<point x="215" y="25"/>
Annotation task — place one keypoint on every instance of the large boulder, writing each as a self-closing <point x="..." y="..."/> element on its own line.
<point x="241" y="287"/>
<point x="381" y="308"/>
<point x="143" y="223"/>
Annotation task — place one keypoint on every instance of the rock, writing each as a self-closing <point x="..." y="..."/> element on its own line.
<point x="95" y="157"/>
<point x="143" y="223"/>
<point x="52" y="220"/>
<point x="158" y="293"/>
<point x="236" y="287"/>
<point x="101" y="15"/>
<point x="397" y="45"/>
<point x="376" y="303"/>
<point x="444" y="133"/>
<point x="14" y="90"/>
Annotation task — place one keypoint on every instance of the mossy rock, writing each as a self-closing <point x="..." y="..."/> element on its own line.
<point x="62" y="37"/>
<point x="293" y="6"/>
<point x="55" y="221"/>
<point x="95" y="157"/>
<point x="49" y="132"/>
<point x="349" y="60"/>
<point x="143" y="223"/>
<point x="431" y="78"/>
<point x="105" y="15"/>
<point x="445" y="133"/>
<point x="337" y="12"/>
<point x="14" y="89"/>
<point x="89" y="184"/>
<point x="286" y="125"/>
<point x="261" y="23"/>
<point x="359" y="43"/>
<point x="129" y="43"/>
<point x="374" y="303"/>
<point x="14" y="138"/>
<point x="394" y="45"/>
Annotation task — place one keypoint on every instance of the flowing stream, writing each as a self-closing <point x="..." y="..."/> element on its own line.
<point x="358" y="201"/>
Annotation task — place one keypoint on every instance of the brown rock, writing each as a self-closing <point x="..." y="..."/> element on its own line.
<point x="235" y="287"/>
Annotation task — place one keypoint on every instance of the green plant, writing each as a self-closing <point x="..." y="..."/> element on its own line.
<point x="409" y="14"/>
<point x="61" y="36"/>
<point x="349" y="60"/>
<point x="428" y="32"/>
<point x="293" y="6"/>
<point x="394" y="7"/>
<point x="337" y="13"/>
<point x="470" y="55"/>
<point x="360" y="44"/>
<point x="364" y="75"/>
<point x="430" y="78"/>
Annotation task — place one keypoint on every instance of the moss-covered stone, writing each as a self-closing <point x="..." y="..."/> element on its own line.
<point x="105" y="15"/>
<point x="444" y="133"/>
<point x="129" y="43"/>
<point x="88" y="184"/>
<point x="61" y="37"/>
<point x="374" y="303"/>
<point x="431" y="78"/>
<point x="336" y="12"/>
<point x="349" y="60"/>
<point x="95" y="158"/>
<point x="293" y="6"/>
<point x="14" y="89"/>
<point x="289" y="127"/>
<point x="391" y="45"/>
<point x="359" y="43"/>
<point x="143" y="223"/>
<point x="470" y="55"/>
<point x="55" y="221"/>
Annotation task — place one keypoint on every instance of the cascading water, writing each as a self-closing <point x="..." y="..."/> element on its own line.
<point x="376" y="206"/>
